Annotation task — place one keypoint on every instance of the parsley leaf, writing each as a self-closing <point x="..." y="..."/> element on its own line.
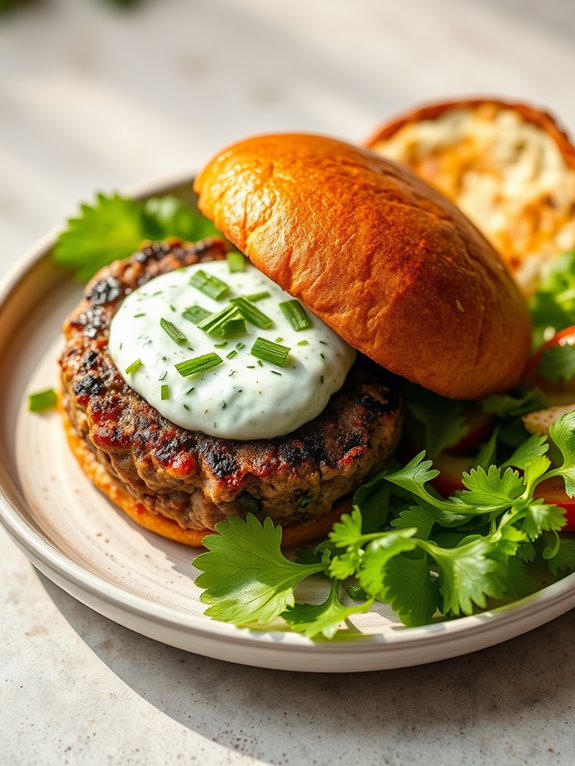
<point x="325" y="618"/>
<point x="553" y="306"/>
<point x="535" y="446"/>
<point x="542" y="517"/>
<point x="562" y="432"/>
<point x="557" y="363"/>
<point x="245" y="575"/>
<point x="377" y="555"/>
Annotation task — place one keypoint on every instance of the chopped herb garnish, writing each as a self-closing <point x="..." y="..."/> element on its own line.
<point x="240" y="345"/>
<point x="224" y="405"/>
<point x="137" y="316"/>
<point x="323" y="342"/>
<point x="270" y="352"/>
<point x="163" y="375"/>
<point x="173" y="308"/>
<point x="195" y="314"/>
<point x="251" y="366"/>
<point x="254" y="297"/>
<point x="232" y="353"/>
<point x="279" y="340"/>
<point x="175" y="334"/>
<point x="210" y="285"/>
<point x="224" y="322"/>
<point x="199" y="364"/>
<point x="42" y="400"/>
<point x="322" y="355"/>
<point x="252" y="314"/>
<point x="223" y="344"/>
<point x="165" y="392"/>
<point x="136" y="364"/>
<point x="185" y="406"/>
<point x="236" y="261"/>
<point x="189" y="391"/>
<point x="303" y="342"/>
<point x="321" y="379"/>
<point x="296" y="315"/>
<point x="275" y="372"/>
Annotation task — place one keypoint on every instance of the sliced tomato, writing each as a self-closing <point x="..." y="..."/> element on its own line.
<point x="451" y="468"/>
<point x="559" y="391"/>
<point x="553" y="491"/>
<point x="480" y="424"/>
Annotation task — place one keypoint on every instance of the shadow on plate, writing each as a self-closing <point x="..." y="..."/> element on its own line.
<point x="283" y="717"/>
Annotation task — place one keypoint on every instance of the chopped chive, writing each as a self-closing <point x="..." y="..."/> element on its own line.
<point x="232" y="353"/>
<point x="323" y="342"/>
<point x="172" y="307"/>
<point x="232" y="327"/>
<point x="275" y="372"/>
<point x="322" y="355"/>
<point x="270" y="352"/>
<point x="296" y="315"/>
<point x="163" y="375"/>
<point x="303" y="342"/>
<point x="137" y="316"/>
<point x="195" y="314"/>
<point x="236" y="261"/>
<point x="254" y="297"/>
<point x="175" y="334"/>
<point x="251" y="366"/>
<point x="219" y="323"/>
<point x="199" y="364"/>
<point x="224" y="405"/>
<point x="223" y="344"/>
<point x="252" y="314"/>
<point x="260" y="363"/>
<point x="321" y="379"/>
<point x="164" y="359"/>
<point x="136" y="364"/>
<point x="240" y="345"/>
<point x="42" y="400"/>
<point x="189" y="391"/>
<point x="279" y="340"/>
<point x="185" y="406"/>
<point x="165" y="392"/>
<point x="210" y="285"/>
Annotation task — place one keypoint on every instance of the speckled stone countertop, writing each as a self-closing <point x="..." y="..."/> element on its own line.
<point x="96" y="98"/>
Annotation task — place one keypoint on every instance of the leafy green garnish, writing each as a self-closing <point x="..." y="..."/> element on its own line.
<point x="553" y="306"/>
<point x="434" y="557"/>
<point x="557" y="363"/>
<point x="114" y="227"/>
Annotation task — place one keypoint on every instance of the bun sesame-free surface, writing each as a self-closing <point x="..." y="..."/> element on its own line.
<point x="385" y="260"/>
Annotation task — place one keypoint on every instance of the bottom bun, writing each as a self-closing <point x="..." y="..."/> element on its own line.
<point x="296" y="533"/>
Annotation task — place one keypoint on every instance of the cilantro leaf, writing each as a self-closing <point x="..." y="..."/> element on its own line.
<point x="564" y="560"/>
<point x="109" y="229"/>
<point x="510" y="406"/>
<point x="467" y="575"/>
<point x="557" y="363"/>
<point x="442" y="419"/>
<point x="169" y="216"/>
<point x="325" y="618"/>
<point x="377" y="555"/>
<point x="417" y="517"/>
<point x="553" y="306"/>
<point x="542" y="517"/>
<point x="491" y="490"/>
<point x="347" y="531"/>
<point x="409" y="588"/>
<point x="562" y="432"/>
<point x="413" y="477"/>
<point x="245" y="575"/>
<point x="113" y="227"/>
<point x="535" y="446"/>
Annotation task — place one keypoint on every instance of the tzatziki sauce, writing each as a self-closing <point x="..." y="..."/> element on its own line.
<point x="241" y="396"/>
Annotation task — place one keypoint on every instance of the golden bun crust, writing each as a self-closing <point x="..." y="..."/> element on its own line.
<point x="386" y="261"/>
<point x="509" y="166"/>
<point x="296" y="533"/>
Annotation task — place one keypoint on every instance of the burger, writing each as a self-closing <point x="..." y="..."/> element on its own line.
<point x="263" y="373"/>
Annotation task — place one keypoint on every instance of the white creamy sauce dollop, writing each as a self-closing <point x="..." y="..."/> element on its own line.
<point x="241" y="398"/>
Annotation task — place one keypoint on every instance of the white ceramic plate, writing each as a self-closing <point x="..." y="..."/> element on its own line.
<point x="94" y="552"/>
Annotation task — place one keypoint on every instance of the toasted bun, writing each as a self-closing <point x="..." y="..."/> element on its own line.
<point x="296" y="533"/>
<point x="508" y="166"/>
<point x="385" y="260"/>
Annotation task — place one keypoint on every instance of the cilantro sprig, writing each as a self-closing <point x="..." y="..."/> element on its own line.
<point x="431" y="558"/>
<point x="114" y="227"/>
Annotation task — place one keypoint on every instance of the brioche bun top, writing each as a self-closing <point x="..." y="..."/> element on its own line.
<point x="386" y="261"/>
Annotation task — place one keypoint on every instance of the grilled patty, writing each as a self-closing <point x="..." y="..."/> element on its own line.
<point x="196" y="479"/>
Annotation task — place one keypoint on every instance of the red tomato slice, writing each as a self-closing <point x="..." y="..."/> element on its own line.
<point x="479" y="427"/>
<point x="451" y="468"/>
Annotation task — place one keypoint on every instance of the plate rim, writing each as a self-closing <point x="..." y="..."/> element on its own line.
<point x="40" y="549"/>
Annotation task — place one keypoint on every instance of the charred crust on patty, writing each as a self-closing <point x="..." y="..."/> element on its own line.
<point x="197" y="480"/>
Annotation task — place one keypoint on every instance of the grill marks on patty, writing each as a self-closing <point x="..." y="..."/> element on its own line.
<point x="196" y="479"/>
